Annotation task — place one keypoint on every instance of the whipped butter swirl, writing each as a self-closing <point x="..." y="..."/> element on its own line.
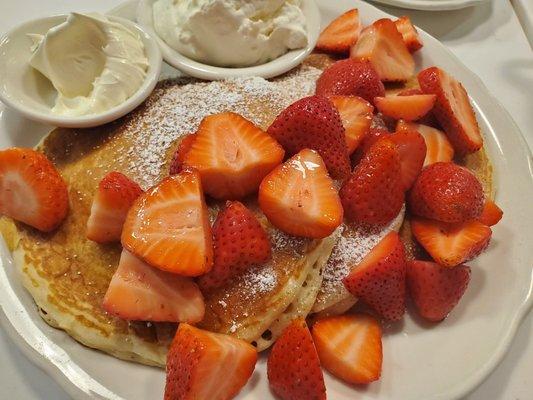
<point x="93" y="63"/>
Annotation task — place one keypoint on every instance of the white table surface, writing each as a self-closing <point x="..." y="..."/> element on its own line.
<point x="487" y="38"/>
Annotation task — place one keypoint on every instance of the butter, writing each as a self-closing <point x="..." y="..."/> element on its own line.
<point x="93" y="63"/>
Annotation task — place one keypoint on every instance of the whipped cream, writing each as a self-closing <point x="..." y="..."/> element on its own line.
<point x="231" y="33"/>
<point x="92" y="62"/>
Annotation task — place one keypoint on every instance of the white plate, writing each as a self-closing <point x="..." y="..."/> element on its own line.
<point x="444" y="361"/>
<point x="431" y="5"/>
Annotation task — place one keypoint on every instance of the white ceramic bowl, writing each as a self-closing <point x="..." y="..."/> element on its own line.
<point x="24" y="89"/>
<point x="270" y="69"/>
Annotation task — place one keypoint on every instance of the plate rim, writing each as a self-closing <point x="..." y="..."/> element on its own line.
<point x="430" y="5"/>
<point x="459" y="391"/>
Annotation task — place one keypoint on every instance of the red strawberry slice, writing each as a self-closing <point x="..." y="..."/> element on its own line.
<point x="299" y="197"/>
<point x="447" y="192"/>
<point x="239" y="242"/>
<point x="374" y="193"/>
<point x="350" y="78"/>
<point x="374" y="134"/>
<point x="410" y="92"/>
<point x="356" y="115"/>
<point x="203" y="365"/>
<point x="349" y="346"/>
<point x="451" y="244"/>
<point x="114" y="197"/>
<point x="293" y="366"/>
<point x="232" y="155"/>
<point x="379" y="279"/>
<point x="179" y="156"/>
<point x="341" y="33"/>
<point x="410" y="35"/>
<point x="168" y="226"/>
<point x="382" y="45"/>
<point x="452" y="109"/>
<point x="314" y="123"/>
<point x="409" y="108"/>
<point x="436" y="290"/>
<point x="491" y="214"/>
<point x="138" y="291"/>
<point x="31" y="189"/>
<point x="412" y="150"/>
<point x="439" y="148"/>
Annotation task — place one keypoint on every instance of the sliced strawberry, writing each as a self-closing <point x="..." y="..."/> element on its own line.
<point x="451" y="244"/>
<point x="356" y="115"/>
<point x="410" y="92"/>
<point x="239" y="242"/>
<point x="439" y="148"/>
<point x="350" y="78"/>
<point x="31" y="189"/>
<point x="168" y="226"/>
<point x="138" y="291"/>
<point x="410" y="35"/>
<point x="299" y="197"/>
<point x="379" y="279"/>
<point x="436" y="290"/>
<point x="452" y="109"/>
<point x="341" y="33"/>
<point x="179" y="156"/>
<point x="203" y="365"/>
<point x="491" y="213"/>
<point x="293" y="366"/>
<point x="232" y="155"/>
<point x="349" y="346"/>
<point x="409" y="108"/>
<point x="447" y="192"/>
<point x="114" y="197"/>
<point x="374" y="193"/>
<point x="382" y="45"/>
<point x="314" y="123"/>
<point x="374" y="134"/>
<point x="412" y="150"/>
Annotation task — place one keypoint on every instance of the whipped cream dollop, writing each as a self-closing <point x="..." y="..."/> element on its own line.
<point x="231" y="33"/>
<point x="92" y="62"/>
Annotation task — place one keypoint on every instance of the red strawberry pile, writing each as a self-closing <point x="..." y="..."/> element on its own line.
<point x="172" y="256"/>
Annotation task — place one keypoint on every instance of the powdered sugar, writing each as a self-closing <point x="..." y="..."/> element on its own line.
<point x="260" y="280"/>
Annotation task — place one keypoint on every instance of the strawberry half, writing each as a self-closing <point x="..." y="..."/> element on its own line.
<point x="179" y="156"/>
<point x="114" y="197"/>
<point x="436" y="290"/>
<point x="239" y="242"/>
<point x="299" y="197"/>
<point x="203" y="365"/>
<point x="138" y="291"/>
<point x="31" y="189"/>
<point x="341" y="33"/>
<point x="439" y="148"/>
<point x="412" y="150"/>
<point x="451" y="244"/>
<point x="293" y="366"/>
<point x="447" y="192"/>
<point x="356" y="116"/>
<point x="349" y="346"/>
<point x="452" y="109"/>
<point x="491" y="214"/>
<point x="410" y="35"/>
<point x="379" y="279"/>
<point x="382" y="45"/>
<point x="232" y="155"/>
<point x="350" y="78"/>
<point x="168" y="226"/>
<point x="409" y="108"/>
<point x="314" y="123"/>
<point x="373" y="135"/>
<point x="374" y="193"/>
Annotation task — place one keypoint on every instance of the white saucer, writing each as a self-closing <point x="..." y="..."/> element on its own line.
<point x="24" y="89"/>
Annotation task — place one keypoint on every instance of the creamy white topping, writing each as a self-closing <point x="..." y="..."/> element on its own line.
<point x="231" y="33"/>
<point x="92" y="62"/>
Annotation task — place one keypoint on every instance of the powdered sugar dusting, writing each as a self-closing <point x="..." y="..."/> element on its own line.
<point x="260" y="280"/>
<point x="177" y="107"/>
